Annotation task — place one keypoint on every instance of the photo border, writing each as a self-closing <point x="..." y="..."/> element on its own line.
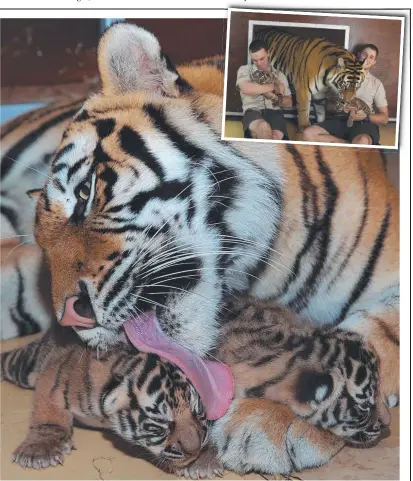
<point x="313" y="14"/>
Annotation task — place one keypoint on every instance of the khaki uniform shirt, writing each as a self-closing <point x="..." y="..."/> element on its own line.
<point x="258" y="102"/>
<point x="372" y="92"/>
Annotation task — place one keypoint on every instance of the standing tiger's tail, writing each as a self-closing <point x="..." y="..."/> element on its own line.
<point x="19" y="365"/>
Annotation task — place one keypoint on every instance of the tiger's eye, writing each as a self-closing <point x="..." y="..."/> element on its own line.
<point x="84" y="192"/>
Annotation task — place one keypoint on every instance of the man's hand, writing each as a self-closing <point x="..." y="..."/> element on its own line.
<point x="269" y="95"/>
<point x="349" y="108"/>
<point x="359" y="115"/>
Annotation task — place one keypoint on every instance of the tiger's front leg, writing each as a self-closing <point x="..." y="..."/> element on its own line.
<point x="319" y="101"/>
<point x="303" y="109"/>
<point x="257" y="435"/>
<point x="50" y="434"/>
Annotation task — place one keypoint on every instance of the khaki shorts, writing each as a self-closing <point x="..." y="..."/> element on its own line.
<point x="275" y="118"/>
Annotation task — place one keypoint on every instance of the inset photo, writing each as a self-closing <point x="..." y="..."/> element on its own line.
<point x="313" y="77"/>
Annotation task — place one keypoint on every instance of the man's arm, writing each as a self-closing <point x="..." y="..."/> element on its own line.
<point x="251" y="88"/>
<point x="379" y="118"/>
<point x="286" y="100"/>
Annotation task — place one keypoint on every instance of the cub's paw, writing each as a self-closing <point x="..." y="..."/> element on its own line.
<point x="41" y="451"/>
<point x="390" y="391"/>
<point x="392" y="400"/>
<point x="206" y="466"/>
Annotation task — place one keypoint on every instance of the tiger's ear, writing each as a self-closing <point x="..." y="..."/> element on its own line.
<point x="314" y="386"/>
<point x="130" y="59"/>
<point x="340" y="62"/>
<point x="115" y="400"/>
<point x="34" y="194"/>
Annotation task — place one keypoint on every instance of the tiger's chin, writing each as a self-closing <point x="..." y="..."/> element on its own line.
<point x="100" y="337"/>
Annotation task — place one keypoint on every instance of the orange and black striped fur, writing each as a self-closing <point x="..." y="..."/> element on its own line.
<point x="143" y="398"/>
<point x="146" y="208"/>
<point x="326" y="376"/>
<point x="149" y="402"/>
<point x="313" y="65"/>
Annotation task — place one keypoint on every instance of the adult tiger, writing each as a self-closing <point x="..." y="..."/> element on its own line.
<point x="146" y="208"/>
<point x="313" y="65"/>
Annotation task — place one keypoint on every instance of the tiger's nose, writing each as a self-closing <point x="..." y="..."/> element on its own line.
<point x="79" y="311"/>
<point x="83" y="306"/>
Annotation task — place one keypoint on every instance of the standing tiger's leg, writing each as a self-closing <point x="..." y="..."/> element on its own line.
<point x="303" y="109"/>
<point x="257" y="435"/>
<point x="51" y="425"/>
<point x="319" y="102"/>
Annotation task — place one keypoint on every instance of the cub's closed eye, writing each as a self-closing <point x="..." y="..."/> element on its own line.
<point x="155" y="429"/>
<point x="364" y="406"/>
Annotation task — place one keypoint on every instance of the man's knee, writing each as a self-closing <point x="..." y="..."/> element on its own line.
<point x="260" y="129"/>
<point x="277" y="135"/>
<point x="363" y="139"/>
<point x="312" y="133"/>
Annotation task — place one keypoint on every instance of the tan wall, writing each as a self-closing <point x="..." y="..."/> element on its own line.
<point x="44" y="58"/>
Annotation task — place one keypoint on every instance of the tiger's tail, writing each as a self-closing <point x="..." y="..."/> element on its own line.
<point x="20" y="366"/>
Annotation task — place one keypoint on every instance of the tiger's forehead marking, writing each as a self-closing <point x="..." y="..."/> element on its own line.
<point x="80" y="143"/>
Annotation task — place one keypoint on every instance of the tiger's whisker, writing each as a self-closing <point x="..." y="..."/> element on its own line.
<point x="27" y="166"/>
<point x="16" y="247"/>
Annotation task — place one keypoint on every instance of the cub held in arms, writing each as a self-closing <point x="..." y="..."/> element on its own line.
<point x="354" y="106"/>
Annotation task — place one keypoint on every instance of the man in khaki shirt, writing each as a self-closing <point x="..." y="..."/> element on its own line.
<point x="262" y="120"/>
<point x="365" y="129"/>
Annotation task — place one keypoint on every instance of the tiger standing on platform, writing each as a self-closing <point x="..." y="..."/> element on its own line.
<point x="365" y="128"/>
<point x="261" y="103"/>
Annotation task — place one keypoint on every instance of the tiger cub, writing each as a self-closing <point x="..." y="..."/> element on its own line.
<point x="356" y="104"/>
<point x="145" y="399"/>
<point x="328" y="376"/>
<point x="261" y="77"/>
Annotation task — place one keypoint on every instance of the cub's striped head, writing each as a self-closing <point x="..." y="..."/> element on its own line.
<point x="145" y="208"/>
<point x="154" y="405"/>
<point x="346" y="77"/>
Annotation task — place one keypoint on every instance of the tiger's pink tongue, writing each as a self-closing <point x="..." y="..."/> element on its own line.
<point x="212" y="380"/>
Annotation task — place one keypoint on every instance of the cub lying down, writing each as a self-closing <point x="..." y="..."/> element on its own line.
<point x="318" y="378"/>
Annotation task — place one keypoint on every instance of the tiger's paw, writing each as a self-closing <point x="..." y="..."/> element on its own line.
<point x="301" y="128"/>
<point x="41" y="451"/>
<point x="206" y="466"/>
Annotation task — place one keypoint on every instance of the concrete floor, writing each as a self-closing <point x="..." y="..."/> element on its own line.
<point x="233" y="129"/>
